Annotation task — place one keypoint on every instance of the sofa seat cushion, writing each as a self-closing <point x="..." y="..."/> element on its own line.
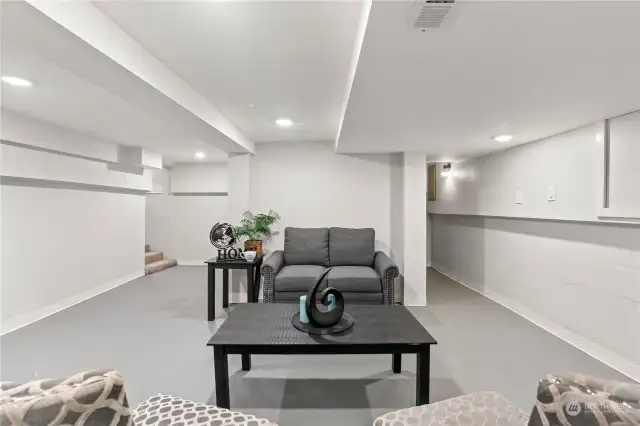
<point x="352" y="247"/>
<point x="474" y="409"/>
<point x="306" y="246"/>
<point x="298" y="277"/>
<point x="350" y="298"/>
<point x="361" y="279"/>
<point x="165" y="410"/>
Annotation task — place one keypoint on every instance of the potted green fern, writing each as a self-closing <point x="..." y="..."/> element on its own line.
<point x="256" y="228"/>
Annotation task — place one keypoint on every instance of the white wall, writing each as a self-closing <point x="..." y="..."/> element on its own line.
<point x="625" y="163"/>
<point x="199" y="178"/>
<point x="65" y="245"/>
<point x="179" y="225"/>
<point x="488" y="185"/>
<point x="311" y="186"/>
<point x="581" y="281"/>
<point x="577" y="277"/>
<point x="72" y="228"/>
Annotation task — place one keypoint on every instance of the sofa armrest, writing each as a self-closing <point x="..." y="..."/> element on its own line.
<point x="269" y="270"/>
<point x="388" y="271"/>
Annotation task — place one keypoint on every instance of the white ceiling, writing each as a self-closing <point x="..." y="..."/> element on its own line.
<point x="527" y="68"/>
<point x="288" y="59"/>
<point x="70" y="90"/>
<point x="62" y="98"/>
<point x="531" y="69"/>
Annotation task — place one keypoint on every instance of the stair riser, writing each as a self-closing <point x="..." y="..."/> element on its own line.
<point x="150" y="269"/>
<point x="152" y="257"/>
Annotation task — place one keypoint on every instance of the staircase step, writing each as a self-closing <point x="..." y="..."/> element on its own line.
<point x="147" y="248"/>
<point x="152" y="256"/>
<point x="159" y="266"/>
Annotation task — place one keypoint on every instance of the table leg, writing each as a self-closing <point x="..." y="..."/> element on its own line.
<point x="250" y="292"/>
<point x="246" y="362"/>
<point x="225" y="288"/>
<point x="256" y="283"/>
<point x="422" y="377"/>
<point x="211" y="293"/>
<point x="397" y="363"/>
<point x="222" y="377"/>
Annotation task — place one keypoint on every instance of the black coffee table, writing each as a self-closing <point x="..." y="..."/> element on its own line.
<point x="266" y="329"/>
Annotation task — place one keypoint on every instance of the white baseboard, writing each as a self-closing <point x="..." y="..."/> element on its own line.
<point x="192" y="262"/>
<point x="20" y="321"/>
<point x="604" y="355"/>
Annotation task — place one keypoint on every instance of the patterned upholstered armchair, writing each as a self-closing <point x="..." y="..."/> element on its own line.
<point x="93" y="397"/>
<point x="98" y="398"/>
<point x="562" y="400"/>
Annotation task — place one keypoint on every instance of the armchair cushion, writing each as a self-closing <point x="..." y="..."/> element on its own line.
<point x="306" y="246"/>
<point x="351" y="247"/>
<point x="577" y="399"/>
<point x="361" y="279"/>
<point x="165" y="410"/>
<point x="92" y="397"/>
<point x="298" y="278"/>
<point x="474" y="409"/>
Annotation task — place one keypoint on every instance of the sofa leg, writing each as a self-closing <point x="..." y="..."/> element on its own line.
<point x="246" y="362"/>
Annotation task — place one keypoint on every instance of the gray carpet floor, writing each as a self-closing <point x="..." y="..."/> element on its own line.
<point x="154" y="330"/>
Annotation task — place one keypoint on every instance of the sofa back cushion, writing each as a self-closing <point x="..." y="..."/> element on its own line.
<point x="306" y="246"/>
<point x="351" y="246"/>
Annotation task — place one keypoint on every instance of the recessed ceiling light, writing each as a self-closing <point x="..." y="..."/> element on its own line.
<point x="503" y="138"/>
<point x="200" y="154"/>
<point x="16" y="81"/>
<point x="284" y="122"/>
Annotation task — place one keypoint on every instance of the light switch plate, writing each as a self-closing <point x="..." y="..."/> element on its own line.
<point x="551" y="193"/>
<point x="519" y="196"/>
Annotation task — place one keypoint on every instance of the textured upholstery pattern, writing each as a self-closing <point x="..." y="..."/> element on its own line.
<point x="269" y="270"/>
<point x="306" y="246"/>
<point x="89" y="398"/>
<point x="299" y="277"/>
<point x="388" y="272"/>
<point x="351" y="247"/>
<point x="355" y="278"/>
<point x="475" y="409"/>
<point x="165" y="410"/>
<point x="576" y="399"/>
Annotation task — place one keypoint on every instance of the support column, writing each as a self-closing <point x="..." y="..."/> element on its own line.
<point x="409" y="226"/>
<point x="415" y="228"/>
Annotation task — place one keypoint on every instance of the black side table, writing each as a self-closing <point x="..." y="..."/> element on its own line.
<point x="253" y="281"/>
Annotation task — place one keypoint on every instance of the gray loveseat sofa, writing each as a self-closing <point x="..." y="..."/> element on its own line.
<point x="362" y="274"/>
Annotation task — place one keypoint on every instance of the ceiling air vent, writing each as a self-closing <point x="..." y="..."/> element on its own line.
<point x="429" y="14"/>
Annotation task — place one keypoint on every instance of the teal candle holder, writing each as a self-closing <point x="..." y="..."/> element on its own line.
<point x="303" y="310"/>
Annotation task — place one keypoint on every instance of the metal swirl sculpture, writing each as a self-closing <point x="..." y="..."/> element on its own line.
<point x="316" y="316"/>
